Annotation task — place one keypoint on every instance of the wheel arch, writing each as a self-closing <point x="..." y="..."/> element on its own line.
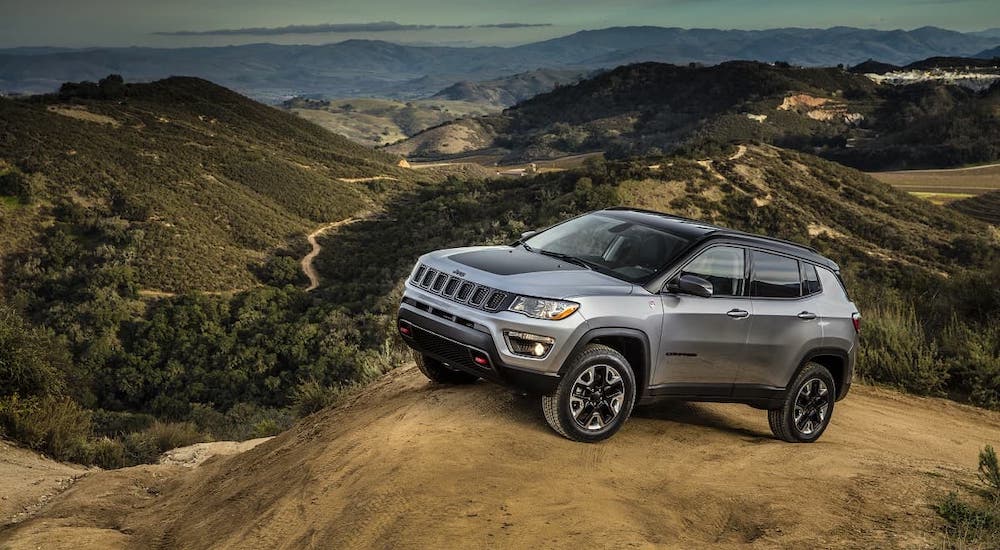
<point x="632" y="343"/>
<point x="835" y="360"/>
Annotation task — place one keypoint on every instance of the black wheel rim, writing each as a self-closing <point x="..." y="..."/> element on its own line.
<point x="597" y="397"/>
<point x="811" y="406"/>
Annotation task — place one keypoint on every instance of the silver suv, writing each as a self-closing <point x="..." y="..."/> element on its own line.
<point x="622" y="306"/>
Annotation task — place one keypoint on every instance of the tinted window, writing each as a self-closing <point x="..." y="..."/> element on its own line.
<point x="723" y="267"/>
<point x="774" y="276"/>
<point x="810" y="280"/>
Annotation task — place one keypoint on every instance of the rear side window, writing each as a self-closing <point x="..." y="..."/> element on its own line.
<point x="774" y="276"/>
<point x="723" y="266"/>
<point x="810" y="279"/>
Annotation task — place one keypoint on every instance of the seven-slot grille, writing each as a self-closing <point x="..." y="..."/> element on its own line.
<point x="459" y="290"/>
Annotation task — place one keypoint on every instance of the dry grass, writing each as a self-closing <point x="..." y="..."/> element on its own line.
<point x="974" y="180"/>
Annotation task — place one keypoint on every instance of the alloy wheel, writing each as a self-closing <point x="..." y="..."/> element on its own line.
<point x="597" y="397"/>
<point x="811" y="406"/>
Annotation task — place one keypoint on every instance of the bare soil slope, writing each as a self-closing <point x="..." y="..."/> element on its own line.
<point x="410" y="464"/>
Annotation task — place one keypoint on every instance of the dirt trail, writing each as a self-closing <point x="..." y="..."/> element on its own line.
<point x="307" y="261"/>
<point x="408" y="463"/>
<point x="740" y="151"/>
<point x="28" y="479"/>
<point x="372" y="178"/>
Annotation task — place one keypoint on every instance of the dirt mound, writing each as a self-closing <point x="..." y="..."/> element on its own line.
<point x="452" y="138"/>
<point x="413" y="464"/>
<point x="27" y="479"/>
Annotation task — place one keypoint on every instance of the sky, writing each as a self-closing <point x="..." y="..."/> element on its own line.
<point x="87" y="23"/>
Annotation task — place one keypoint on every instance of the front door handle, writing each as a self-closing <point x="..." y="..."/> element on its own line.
<point x="738" y="313"/>
<point x="807" y="316"/>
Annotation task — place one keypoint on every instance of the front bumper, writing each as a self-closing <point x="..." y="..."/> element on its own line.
<point x="456" y="335"/>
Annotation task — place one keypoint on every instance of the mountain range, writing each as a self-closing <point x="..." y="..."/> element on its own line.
<point x="652" y="108"/>
<point x="355" y="68"/>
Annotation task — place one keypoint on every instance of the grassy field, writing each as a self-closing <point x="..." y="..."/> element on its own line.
<point x="944" y="186"/>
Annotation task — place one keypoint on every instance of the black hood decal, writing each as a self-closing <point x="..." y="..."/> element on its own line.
<point x="511" y="261"/>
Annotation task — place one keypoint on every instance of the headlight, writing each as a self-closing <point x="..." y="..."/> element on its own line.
<point x="540" y="308"/>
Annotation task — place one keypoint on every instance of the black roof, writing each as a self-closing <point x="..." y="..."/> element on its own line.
<point x="697" y="231"/>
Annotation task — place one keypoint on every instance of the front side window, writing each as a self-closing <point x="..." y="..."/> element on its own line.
<point x="623" y="249"/>
<point x="774" y="276"/>
<point x="723" y="266"/>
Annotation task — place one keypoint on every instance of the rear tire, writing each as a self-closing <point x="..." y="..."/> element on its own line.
<point x="808" y="406"/>
<point x="594" y="398"/>
<point x="436" y="371"/>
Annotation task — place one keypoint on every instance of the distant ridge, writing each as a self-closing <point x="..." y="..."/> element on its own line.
<point x="356" y="68"/>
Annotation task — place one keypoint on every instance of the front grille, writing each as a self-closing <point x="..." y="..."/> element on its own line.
<point x="479" y="295"/>
<point x="452" y="352"/>
<point x="459" y="290"/>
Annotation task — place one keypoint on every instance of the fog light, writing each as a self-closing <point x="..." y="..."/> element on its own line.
<point x="528" y="345"/>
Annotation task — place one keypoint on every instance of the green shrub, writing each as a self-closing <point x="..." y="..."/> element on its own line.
<point x="311" y="396"/>
<point x="895" y="350"/>
<point x="140" y="448"/>
<point x="56" y="426"/>
<point x="977" y="523"/>
<point x="171" y="435"/>
<point x="30" y="362"/>
<point x="989" y="471"/>
<point x="108" y="453"/>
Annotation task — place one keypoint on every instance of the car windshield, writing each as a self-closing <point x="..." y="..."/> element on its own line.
<point x="627" y="250"/>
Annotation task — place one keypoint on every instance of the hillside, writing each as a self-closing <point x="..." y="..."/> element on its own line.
<point x="371" y="68"/>
<point x="374" y="122"/>
<point x="650" y="108"/>
<point x="409" y="463"/>
<point x="509" y="90"/>
<point x="985" y="207"/>
<point x="195" y="183"/>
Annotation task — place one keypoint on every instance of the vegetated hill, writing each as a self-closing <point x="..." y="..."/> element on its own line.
<point x="185" y="368"/>
<point x="410" y="463"/>
<point x="375" y="122"/>
<point x="873" y="67"/>
<point x="368" y="68"/>
<point x="940" y="62"/>
<point x="192" y="185"/>
<point x="991" y="53"/>
<point x="509" y="90"/>
<point x="985" y="207"/>
<point x="651" y="107"/>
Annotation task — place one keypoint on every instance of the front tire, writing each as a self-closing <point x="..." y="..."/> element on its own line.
<point x="808" y="406"/>
<point x="435" y="371"/>
<point x="595" y="396"/>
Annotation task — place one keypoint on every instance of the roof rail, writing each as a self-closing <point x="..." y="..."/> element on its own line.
<point x="721" y="230"/>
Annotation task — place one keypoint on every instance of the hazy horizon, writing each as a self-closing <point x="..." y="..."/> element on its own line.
<point x="184" y="23"/>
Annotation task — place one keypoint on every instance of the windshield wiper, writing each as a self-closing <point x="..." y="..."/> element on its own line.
<point x="566" y="258"/>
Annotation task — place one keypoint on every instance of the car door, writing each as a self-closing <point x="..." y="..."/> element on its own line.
<point x="703" y="339"/>
<point x="787" y="323"/>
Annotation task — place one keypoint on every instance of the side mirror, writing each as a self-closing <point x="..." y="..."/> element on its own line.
<point x="691" y="284"/>
<point x="528" y="235"/>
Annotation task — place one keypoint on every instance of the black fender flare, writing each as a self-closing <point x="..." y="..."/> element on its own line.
<point x="595" y="333"/>
<point x="842" y="384"/>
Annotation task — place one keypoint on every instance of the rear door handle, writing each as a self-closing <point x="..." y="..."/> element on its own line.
<point x="807" y="316"/>
<point x="738" y="313"/>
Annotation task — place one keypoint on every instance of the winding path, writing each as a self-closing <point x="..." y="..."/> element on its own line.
<point x="307" y="261"/>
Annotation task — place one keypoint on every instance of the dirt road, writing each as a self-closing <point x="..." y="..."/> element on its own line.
<point x="407" y="463"/>
<point x="307" y="261"/>
<point x="28" y="479"/>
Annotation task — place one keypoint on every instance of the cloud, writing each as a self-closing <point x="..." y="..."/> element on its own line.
<point x="380" y="26"/>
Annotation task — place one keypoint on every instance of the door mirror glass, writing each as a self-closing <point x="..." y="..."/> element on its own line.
<point x="691" y="284"/>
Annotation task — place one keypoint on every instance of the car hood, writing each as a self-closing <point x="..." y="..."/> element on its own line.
<point x="519" y="271"/>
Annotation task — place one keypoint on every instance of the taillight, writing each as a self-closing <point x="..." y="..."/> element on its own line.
<point x="856" y="319"/>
